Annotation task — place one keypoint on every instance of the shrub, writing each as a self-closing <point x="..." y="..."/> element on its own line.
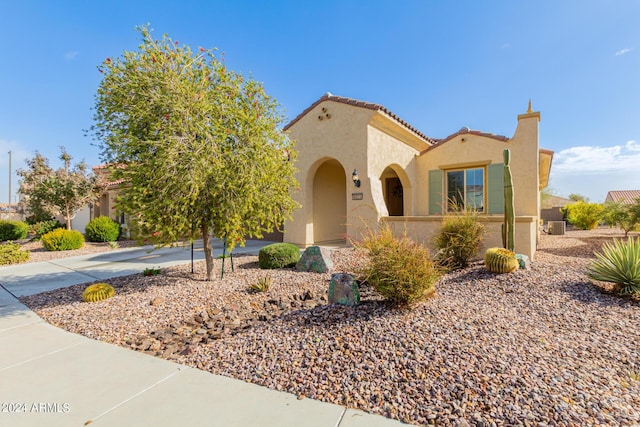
<point x="13" y="230"/>
<point x="398" y="268"/>
<point x="278" y="255"/>
<point x="43" y="227"/>
<point x="11" y="253"/>
<point x="39" y="217"/>
<point x="62" y="240"/>
<point x="151" y="271"/>
<point x="102" y="229"/>
<point x="97" y="292"/>
<point x="261" y="285"/>
<point x="585" y="216"/>
<point x="459" y="239"/>
<point x="619" y="263"/>
<point x="624" y="215"/>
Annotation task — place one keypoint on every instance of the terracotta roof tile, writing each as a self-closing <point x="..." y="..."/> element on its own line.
<point x="466" y="131"/>
<point x="362" y="104"/>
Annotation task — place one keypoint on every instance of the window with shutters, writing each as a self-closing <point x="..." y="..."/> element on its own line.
<point x="480" y="188"/>
<point x="465" y="188"/>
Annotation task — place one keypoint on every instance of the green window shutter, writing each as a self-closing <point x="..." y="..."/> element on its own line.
<point x="495" y="192"/>
<point x="435" y="192"/>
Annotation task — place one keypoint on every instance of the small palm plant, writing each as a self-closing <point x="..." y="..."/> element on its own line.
<point x="619" y="263"/>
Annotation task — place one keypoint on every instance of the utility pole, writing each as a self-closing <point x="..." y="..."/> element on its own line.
<point x="9" y="176"/>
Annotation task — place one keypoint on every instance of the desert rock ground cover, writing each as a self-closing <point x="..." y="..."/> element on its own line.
<point x="541" y="347"/>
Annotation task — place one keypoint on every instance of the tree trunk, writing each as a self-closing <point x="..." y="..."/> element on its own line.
<point x="67" y="217"/>
<point x="208" y="255"/>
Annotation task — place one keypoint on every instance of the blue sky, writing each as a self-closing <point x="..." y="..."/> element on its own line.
<point x="439" y="65"/>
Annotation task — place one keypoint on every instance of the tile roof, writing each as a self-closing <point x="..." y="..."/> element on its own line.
<point x="466" y="131"/>
<point x="349" y="101"/>
<point x="624" y="196"/>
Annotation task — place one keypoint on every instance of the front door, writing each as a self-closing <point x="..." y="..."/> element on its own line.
<point x="395" y="200"/>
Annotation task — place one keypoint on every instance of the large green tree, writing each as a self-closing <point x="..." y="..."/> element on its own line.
<point x="64" y="191"/>
<point x="198" y="145"/>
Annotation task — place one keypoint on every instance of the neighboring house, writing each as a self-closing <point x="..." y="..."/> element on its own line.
<point x="623" y="196"/>
<point x="405" y="177"/>
<point x="551" y="208"/>
<point x="106" y="203"/>
<point x="11" y="212"/>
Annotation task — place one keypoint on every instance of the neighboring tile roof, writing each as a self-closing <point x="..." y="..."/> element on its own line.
<point x="349" y="101"/>
<point x="624" y="196"/>
<point x="113" y="184"/>
<point x="466" y="131"/>
<point x="104" y="167"/>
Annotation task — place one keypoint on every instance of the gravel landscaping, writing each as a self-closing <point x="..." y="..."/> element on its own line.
<point x="40" y="254"/>
<point x="543" y="347"/>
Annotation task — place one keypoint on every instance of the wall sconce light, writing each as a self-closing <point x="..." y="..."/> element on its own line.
<point x="355" y="178"/>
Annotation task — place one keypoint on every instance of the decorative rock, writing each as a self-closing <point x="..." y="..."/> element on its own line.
<point x="315" y="259"/>
<point x="524" y="262"/>
<point x="157" y="301"/>
<point x="343" y="289"/>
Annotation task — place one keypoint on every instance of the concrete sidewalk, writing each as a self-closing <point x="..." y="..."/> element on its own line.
<point x="34" y="278"/>
<point x="50" y="377"/>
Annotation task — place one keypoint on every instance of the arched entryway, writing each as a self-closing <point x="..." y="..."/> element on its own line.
<point x="329" y="203"/>
<point x="393" y="192"/>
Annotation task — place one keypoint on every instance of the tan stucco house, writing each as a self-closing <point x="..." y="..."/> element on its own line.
<point x="359" y="164"/>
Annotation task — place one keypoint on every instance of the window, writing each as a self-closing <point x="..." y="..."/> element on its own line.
<point x="465" y="188"/>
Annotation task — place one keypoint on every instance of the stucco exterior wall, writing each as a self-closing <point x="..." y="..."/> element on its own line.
<point x="385" y="150"/>
<point x="469" y="150"/>
<point x="330" y="202"/>
<point x="340" y="135"/>
<point x="423" y="229"/>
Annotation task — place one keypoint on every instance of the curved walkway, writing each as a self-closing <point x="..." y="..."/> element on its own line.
<point x="50" y="377"/>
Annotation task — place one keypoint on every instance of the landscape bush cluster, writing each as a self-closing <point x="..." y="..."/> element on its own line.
<point x="401" y="270"/>
<point x="583" y="215"/>
<point x="62" y="240"/>
<point x="102" y="229"/>
<point x="278" y="255"/>
<point x="13" y="230"/>
<point x="11" y="253"/>
<point x="459" y="239"/>
<point x="41" y="228"/>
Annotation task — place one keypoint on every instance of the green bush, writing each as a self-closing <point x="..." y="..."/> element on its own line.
<point x="62" y="240"/>
<point x="102" y="229"/>
<point x="585" y="216"/>
<point x="459" y="239"/>
<point x="619" y="263"/>
<point x="13" y="230"/>
<point x="43" y="227"/>
<point x="398" y="268"/>
<point x="623" y="215"/>
<point x="278" y="255"/>
<point x="35" y="218"/>
<point x="11" y="253"/>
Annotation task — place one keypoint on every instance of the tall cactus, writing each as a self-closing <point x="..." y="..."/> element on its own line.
<point x="508" y="230"/>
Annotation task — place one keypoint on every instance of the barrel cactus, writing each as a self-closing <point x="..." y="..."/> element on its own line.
<point x="97" y="292"/>
<point x="500" y="260"/>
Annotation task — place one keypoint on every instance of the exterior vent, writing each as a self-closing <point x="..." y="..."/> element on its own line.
<point x="556" y="227"/>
